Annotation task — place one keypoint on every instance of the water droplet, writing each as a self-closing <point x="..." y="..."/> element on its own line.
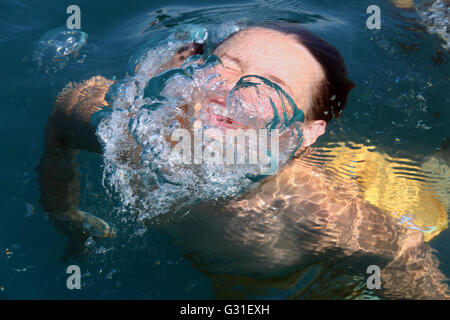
<point x="30" y="210"/>
<point x="89" y="242"/>
<point x="57" y="47"/>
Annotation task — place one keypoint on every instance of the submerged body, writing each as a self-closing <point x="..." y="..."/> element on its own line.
<point x="299" y="219"/>
<point x="294" y="219"/>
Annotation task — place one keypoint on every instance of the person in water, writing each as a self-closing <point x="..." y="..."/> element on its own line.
<point x="292" y="220"/>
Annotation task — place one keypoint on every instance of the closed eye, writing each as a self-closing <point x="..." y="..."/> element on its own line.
<point x="279" y="82"/>
<point x="231" y="63"/>
<point x="231" y="66"/>
<point x="232" y="69"/>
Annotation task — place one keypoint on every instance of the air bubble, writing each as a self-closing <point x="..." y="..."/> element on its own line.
<point x="89" y="242"/>
<point x="137" y="145"/>
<point x="57" y="47"/>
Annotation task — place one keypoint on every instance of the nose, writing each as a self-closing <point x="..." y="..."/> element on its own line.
<point x="220" y="84"/>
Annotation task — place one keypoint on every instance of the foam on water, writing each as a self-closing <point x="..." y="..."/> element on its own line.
<point x="148" y="109"/>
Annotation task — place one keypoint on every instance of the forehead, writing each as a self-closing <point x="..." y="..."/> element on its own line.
<point x="271" y="53"/>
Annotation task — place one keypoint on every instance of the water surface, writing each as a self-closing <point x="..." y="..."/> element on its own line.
<point x="398" y="106"/>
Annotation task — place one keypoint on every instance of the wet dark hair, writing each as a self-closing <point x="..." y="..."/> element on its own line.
<point x="330" y="97"/>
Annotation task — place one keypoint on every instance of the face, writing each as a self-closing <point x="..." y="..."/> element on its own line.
<point x="279" y="58"/>
<point x="157" y="183"/>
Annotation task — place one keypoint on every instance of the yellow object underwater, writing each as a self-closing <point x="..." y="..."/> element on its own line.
<point x="417" y="196"/>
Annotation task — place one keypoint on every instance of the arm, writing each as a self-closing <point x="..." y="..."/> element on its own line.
<point x="68" y="131"/>
<point x="334" y="222"/>
<point x="414" y="273"/>
<point x="412" y="270"/>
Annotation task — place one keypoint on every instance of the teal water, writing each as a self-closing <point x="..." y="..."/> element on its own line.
<point x="399" y="105"/>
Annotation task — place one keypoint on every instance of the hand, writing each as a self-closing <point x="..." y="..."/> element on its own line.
<point x="77" y="222"/>
<point x="79" y="226"/>
<point x="94" y="226"/>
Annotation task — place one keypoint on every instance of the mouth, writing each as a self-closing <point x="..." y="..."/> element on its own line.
<point x="216" y="115"/>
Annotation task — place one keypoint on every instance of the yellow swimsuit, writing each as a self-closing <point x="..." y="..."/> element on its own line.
<point x="417" y="196"/>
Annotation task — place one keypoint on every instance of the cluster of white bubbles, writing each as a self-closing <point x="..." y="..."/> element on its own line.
<point x="435" y="15"/>
<point x="147" y="109"/>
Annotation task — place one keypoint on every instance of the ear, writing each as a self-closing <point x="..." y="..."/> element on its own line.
<point x="312" y="130"/>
